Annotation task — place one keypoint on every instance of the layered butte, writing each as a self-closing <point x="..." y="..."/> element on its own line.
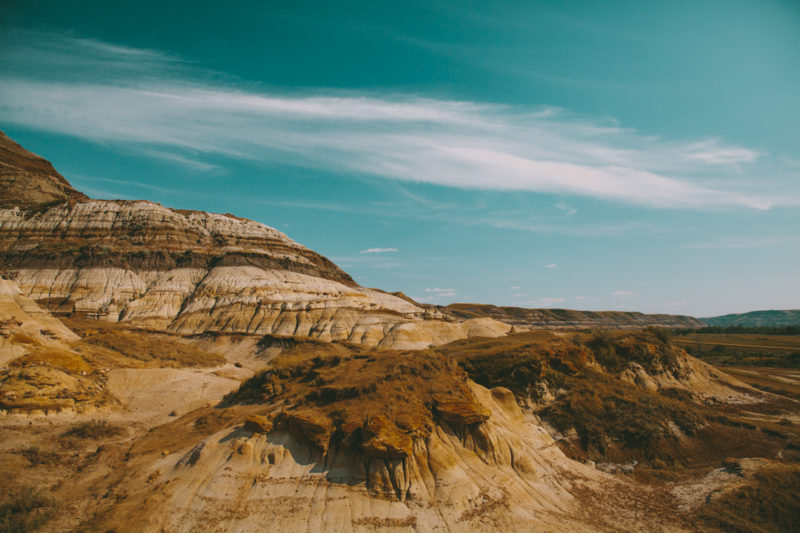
<point x="191" y="272"/>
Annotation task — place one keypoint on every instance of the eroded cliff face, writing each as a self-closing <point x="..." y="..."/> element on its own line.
<point x="187" y="272"/>
<point x="23" y="325"/>
<point x="475" y="466"/>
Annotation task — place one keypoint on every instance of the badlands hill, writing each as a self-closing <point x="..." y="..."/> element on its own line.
<point x="167" y="370"/>
<point x="190" y="272"/>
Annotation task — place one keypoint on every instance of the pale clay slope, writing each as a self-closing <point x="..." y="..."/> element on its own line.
<point x="153" y="395"/>
<point x="506" y="473"/>
<point x="245" y="299"/>
<point x="695" y="377"/>
<point x="234" y="299"/>
<point x="21" y="319"/>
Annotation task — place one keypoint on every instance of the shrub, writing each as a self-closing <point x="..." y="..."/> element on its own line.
<point x="601" y="407"/>
<point x="93" y="429"/>
<point x="25" y="509"/>
<point x="37" y="456"/>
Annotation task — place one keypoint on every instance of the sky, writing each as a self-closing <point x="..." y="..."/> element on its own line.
<point x="620" y="155"/>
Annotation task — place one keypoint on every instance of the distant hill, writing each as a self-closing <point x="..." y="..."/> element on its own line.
<point x="789" y="317"/>
<point x="569" y="318"/>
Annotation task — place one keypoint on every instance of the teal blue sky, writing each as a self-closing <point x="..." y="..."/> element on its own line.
<point x="590" y="155"/>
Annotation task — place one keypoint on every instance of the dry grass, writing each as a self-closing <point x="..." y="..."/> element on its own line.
<point x="781" y="351"/>
<point x="376" y="401"/>
<point x="62" y="359"/>
<point x="25" y="509"/>
<point x="149" y="349"/>
<point x="37" y="456"/>
<point x="94" y="429"/>
<point x="603" y="409"/>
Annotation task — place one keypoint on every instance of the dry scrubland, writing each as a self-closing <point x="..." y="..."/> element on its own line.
<point x="710" y="454"/>
<point x="766" y="361"/>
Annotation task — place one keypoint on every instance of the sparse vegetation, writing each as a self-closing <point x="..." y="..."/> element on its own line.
<point x="374" y="402"/>
<point x="25" y="509"/>
<point x="37" y="456"/>
<point x="94" y="429"/>
<point x="602" y="409"/>
<point x="650" y="348"/>
<point x="138" y="348"/>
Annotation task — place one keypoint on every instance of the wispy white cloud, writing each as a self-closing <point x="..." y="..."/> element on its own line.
<point x="568" y="210"/>
<point x="774" y="240"/>
<point x="715" y="153"/>
<point x="435" y="295"/>
<point x="623" y="294"/>
<point x="551" y="265"/>
<point x="542" y="302"/>
<point x="181" y="160"/>
<point x="151" y="102"/>
<point x="514" y="287"/>
<point x="378" y="250"/>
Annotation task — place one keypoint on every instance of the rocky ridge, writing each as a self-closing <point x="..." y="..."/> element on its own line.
<point x="570" y="318"/>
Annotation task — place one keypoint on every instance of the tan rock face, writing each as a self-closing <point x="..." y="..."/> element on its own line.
<point x="24" y="325"/>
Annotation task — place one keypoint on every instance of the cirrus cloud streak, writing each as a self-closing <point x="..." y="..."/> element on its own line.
<point x="161" y="107"/>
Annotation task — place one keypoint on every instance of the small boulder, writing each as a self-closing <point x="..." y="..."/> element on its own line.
<point x="384" y="440"/>
<point x="461" y="412"/>
<point x="258" y="424"/>
<point x="310" y="426"/>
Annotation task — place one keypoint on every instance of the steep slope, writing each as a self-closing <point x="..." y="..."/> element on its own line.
<point x="569" y="318"/>
<point x="24" y="325"/>
<point x="191" y="272"/>
<point x="756" y="319"/>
